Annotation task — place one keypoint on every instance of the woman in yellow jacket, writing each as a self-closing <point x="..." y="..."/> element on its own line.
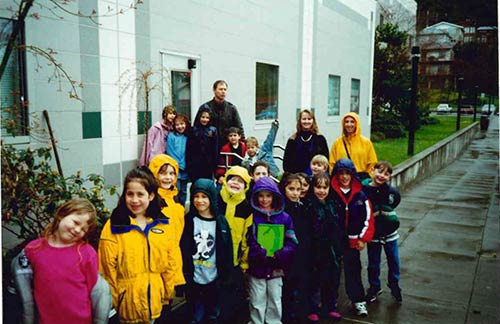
<point x="135" y="251"/>
<point x="166" y="171"/>
<point x="354" y="146"/>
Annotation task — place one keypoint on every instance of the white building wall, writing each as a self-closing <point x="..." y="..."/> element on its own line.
<point x="227" y="39"/>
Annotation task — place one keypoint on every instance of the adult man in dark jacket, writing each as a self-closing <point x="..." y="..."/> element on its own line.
<point x="224" y="113"/>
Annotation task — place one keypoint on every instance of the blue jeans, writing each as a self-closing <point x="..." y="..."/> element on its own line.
<point x="324" y="288"/>
<point x="374" y="258"/>
<point x="182" y="187"/>
<point x="203" y="301"/>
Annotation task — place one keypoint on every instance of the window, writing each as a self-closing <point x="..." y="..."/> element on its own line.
<point x="13" y="98"/>
<point x="355" y="85"/>
<point x="266" y="92"/>
<point x="181" y="92"/>
<point x="333" y="95"/>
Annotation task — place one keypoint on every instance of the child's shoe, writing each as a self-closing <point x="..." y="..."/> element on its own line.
<point x="360" y="309"/>
<point x="396" y="293"/>
<point x="313" y="318"/>
<point x="372" y="294"/>
<point x="334" y="315"/>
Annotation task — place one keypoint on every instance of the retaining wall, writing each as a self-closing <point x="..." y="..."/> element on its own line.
<point x="425" y="163"/>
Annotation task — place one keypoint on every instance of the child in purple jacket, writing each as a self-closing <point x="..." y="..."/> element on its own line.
<point x="272" y="243"/>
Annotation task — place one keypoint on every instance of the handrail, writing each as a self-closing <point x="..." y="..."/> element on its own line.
<point x="227" y="166"/>
<point x="281" y="147"/>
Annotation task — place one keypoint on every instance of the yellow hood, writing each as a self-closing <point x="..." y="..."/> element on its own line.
<point x="356" y="120"/>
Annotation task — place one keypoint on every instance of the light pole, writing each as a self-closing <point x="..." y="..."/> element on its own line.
<point x="459" y="88"/>
<point x="476" y="87"/>
<point x="415" y="55"/>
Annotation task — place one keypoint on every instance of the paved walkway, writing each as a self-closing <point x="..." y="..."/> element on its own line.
<point x="449" y="243"/>
<point x="448" y="246"/>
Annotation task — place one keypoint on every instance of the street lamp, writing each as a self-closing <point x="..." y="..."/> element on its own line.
<point x="459" y="88"/>
<point x="415" y="55"/>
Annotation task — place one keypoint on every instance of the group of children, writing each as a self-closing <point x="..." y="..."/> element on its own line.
<point x="277" y="248"/>
<point x="198" y="150"/>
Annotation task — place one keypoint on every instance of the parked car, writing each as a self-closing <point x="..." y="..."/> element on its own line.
<point x="443" y="109"/>
<point x="466" y="109"/>
<point x="488" y="109"/>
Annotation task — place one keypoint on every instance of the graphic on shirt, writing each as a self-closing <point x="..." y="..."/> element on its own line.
<point x="205" y="244"/>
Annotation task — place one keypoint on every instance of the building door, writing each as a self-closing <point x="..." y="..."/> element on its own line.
<point x="182" y="82"/>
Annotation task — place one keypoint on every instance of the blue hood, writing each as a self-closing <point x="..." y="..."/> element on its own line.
<point x="268" y="184"/>
<point x="345" y="164"/>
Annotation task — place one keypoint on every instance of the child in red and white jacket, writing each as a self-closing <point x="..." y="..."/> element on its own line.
<point x="356" y="218"/>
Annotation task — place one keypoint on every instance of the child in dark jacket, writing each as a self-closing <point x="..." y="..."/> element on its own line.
<point x="296" y="283"/>
<point x="384" y="198"/>
<point x="356" y="219"/>
<point x="207" y="252"/>
<point x="202" y="149"/>
<point x="328" y="244"/>
<point x="272" y="243"/>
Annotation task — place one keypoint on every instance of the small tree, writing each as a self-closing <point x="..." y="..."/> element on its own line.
<point x="139" y="82"/>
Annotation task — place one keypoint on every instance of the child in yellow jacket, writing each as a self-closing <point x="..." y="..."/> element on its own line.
<point x="135" y="251"/>
<point x="166" y="170"/>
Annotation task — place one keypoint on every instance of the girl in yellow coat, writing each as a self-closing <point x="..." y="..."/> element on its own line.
<point x="135" y="251"/>
<point x="354" y="146"/>
<point x="166" y="171"/>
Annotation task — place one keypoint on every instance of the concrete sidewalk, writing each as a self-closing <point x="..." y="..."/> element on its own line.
<point x="448" y="246"/>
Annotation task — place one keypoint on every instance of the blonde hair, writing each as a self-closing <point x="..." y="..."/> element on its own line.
<point x="252" y="140"/>
<point x="320" y="159"/>
<point x="78" y="206"/>
<point x="314" y="128"/>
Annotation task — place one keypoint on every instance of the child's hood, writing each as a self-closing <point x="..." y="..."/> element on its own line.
<point x="207" y="187"/>
<point x="354" y="116"/>
<point x="240" y="172"/>
<point x="161" y="159"/>
<point x="345" y="164"/>
<point x="268" y="184"/>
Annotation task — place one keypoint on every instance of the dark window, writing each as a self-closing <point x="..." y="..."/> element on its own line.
<point x="266" y="91"/>
<point x="13" y="94"/>
<point x="181" y="92"/>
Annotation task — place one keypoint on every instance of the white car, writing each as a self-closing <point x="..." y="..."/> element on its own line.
<point x="443" y="108"/>
<point x="488" y="109"/>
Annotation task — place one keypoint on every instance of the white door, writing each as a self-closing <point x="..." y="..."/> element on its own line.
<point x="182" y="81"/>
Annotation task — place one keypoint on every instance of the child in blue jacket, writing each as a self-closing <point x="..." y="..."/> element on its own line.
<point x="356" y="219"/>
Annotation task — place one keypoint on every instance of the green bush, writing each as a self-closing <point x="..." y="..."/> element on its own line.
<point x="32" y="191"/>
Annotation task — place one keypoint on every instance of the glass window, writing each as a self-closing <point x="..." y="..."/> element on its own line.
<point x="266" y="91"/>
<point x="355" y="85"/>
<point x="333" y="95"/>
<point x="181" y="92"/>
<point x="13" y="97"/>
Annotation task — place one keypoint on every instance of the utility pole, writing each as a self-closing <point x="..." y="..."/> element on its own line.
<point x="476" y="87"/>
<point x="459" y="88"/>
<point x="415" y="55"/>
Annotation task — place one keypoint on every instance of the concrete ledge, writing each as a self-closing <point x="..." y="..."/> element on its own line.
<point x="425" y="163"/>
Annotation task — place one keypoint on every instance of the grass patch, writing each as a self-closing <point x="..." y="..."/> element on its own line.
<point x="395" y="150"/>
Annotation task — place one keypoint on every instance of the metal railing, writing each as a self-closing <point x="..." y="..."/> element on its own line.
<point x="240" y="158"/>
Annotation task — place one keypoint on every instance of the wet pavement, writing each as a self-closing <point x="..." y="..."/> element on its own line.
<point x="448" y="246"/>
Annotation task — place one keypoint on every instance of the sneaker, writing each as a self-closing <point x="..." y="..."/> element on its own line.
<point x="372" y="293"/>
<point x="334" y="315"/>
<point x="396" y="293"/>
<point x="360" y="309"/>
<point x="313" y="318"/>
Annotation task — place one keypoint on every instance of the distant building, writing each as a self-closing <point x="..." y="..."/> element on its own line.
<point x="399" y="12"/>
<point x="436" y="47"/>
